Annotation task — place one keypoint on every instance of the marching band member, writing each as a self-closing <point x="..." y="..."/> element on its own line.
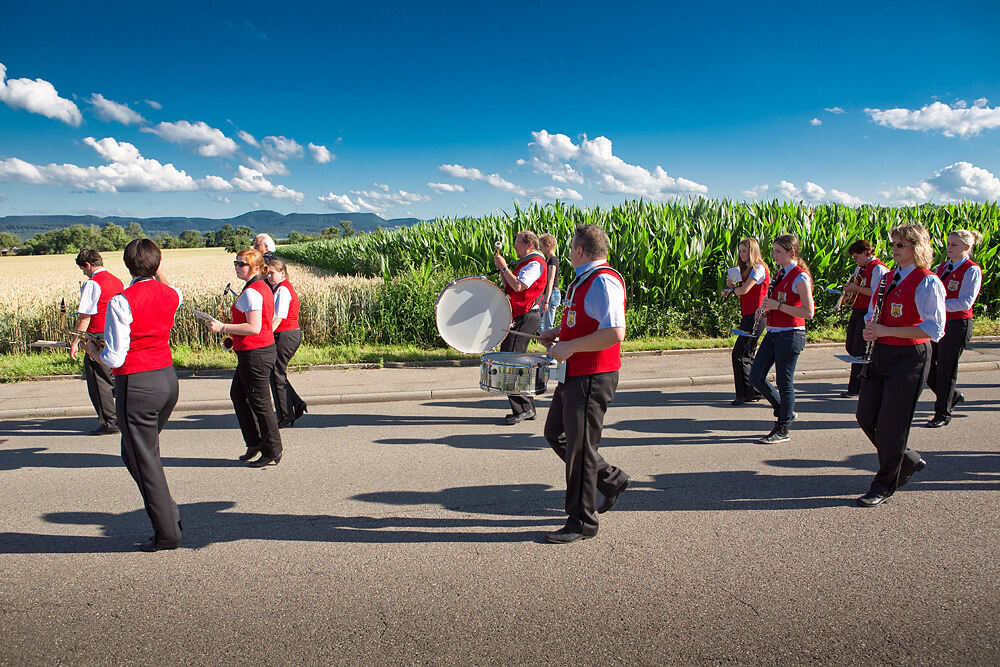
<point x="523" y="290"/>
<point x="253" y="343"/>
<point x="788" y="307"/>
<point x="95" y="294"/>
<point x="962" y="279"/>
<point x="551" y="298"/>
<point x="137" y="337"/>
<point x="590" y="336"/>
<point x="869" y="272"/>
<point x="752" y="291"/>
<point x="911" y="314"/>
<point x="287" y="338"/>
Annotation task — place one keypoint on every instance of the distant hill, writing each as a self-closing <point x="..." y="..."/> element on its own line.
<point x="270" y="222"/>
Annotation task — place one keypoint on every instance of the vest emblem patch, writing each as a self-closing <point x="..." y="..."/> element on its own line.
<point x="897" y="310"/>
<point x="780" y="296"/>
<point x="953" y="285"/>
<point x="570" y="318"/>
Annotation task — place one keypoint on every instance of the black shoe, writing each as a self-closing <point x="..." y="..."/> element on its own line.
<point x="612" y="498"/>
<point x="754" y="398"/>
<point x="565" y="536"/>
<point x="938" y="422"/>
<point x="512" y="419"/>
<point x="266" y="461"/>
<point x="849" y="394"/>
<point x="286" y="423"/>
<point x="871" y="499"/>
<point x="956" y="399"/>
<point x="905" y="477"/>
<point x="151" y="545"/>
<point x="737" y="401"/>
<point x="104" y="430"/>
<point x="777" y="434"/>
<point x="251" y="452"/>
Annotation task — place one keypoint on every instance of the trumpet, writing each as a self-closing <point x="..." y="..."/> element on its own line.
<point x="847" y="298"/>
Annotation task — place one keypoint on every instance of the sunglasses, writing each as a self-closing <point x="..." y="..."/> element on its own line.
<point x="238" y="263"/>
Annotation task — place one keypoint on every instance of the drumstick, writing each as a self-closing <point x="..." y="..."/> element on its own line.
<point x="498" y="245"/>
<point x="521" y="333"/>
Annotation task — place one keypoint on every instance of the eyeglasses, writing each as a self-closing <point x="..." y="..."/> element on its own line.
<point x="238" y="263"/>
<point x="899" y="244"/>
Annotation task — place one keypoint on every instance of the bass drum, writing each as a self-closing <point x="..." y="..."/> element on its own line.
<point x="472" y="315"/>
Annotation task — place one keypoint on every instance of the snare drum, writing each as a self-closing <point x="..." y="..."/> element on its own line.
<point x="513" y="373"/>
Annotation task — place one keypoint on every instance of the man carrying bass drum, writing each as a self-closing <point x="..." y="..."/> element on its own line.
<point x="523" y="289"/>
<point x="590" y="336"/>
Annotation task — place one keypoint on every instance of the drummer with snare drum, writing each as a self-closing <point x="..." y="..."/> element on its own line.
<point x="523" y="285"/>
<point x="590" y="336"/>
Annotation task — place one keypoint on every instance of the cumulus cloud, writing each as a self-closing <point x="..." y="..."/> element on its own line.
<point x="251" y="180"/>
<point x="248" y="138"/>
<point x="834" y="110"/>
<point x="557" y="156"/>
<point x="210" y="141"/>
<point x="154" y="104"/>
<point x="266" y="165"/>
<point x="959" y="120"/>
<point x="446" y="187"/>
<point x="126" y="171"/>
<point x="810" y="194"/>
<point x="815" y="121"/>
<point x="38" y="96"/>
<point x="282" y="148"/>
<point x="961" y="181"/>
<point x="320" y="153"/>
<point x="379" y="202"/>
<point x="551" y="192"/>
<point x="473" y="174"/>
<point x="109" y="110"/>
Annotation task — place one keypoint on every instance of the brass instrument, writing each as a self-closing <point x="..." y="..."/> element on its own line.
<point x="847" y="298"/>
<point x="227" y="341"/>
<point x="64" y="331"/>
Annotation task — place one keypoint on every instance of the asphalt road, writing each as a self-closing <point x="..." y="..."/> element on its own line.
<point x="412" y="533"/>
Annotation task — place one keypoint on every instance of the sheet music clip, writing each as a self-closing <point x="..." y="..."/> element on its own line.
<point x="850" y="359"/>
<point x="740" y="332"/>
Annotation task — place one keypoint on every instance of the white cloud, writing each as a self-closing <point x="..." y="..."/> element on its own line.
<point x="282" y="148"/>
<point x="251" y="180"/>
<point x="446" y="187"/>
<point x="154" y="104"/>
<point x="248" y="138"/>
<point x="38" y="96"/>
<point x="109" y="110"/>
<point x="557" y="156"/>
<point x="320" y="153"/>
<point x="222" y="199"/>
<point x="551" y="192"/>
<point x="266" y="165"/>
<point x="340" y="203"/>
<point x="126" y="171"/>
<point x="211" y="142"/>
<point x="960" y="120"/>
<point x="473" y="174"/>
<point x="837" y="110"/>
<point x="815" y="121"/>
<point x="810" y="194"/>
<point x="961" y="181"/>
<point x="373" y="201"/>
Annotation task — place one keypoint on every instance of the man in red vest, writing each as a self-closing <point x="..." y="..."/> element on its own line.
<point x="590" y="336"/>
<point x="94" y="297"/>
<point x="523" y="285"/>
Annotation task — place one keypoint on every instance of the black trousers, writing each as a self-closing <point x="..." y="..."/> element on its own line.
<point x="285" y="398"/>
<point x="577" y="410"/>
<point x="145" y="401"/>
<point x="100" y="386"/>
<point x="251" y="396"/>
<point x="527" y="323"/>
<point x="944" y="363"/>
<point x="889" y="393"/>
<point x="743" y="352"/>
<point x="855" y="344"/>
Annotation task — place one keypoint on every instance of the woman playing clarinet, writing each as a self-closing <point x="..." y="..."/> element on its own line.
<point x="788" y="305"/>
<point x="904" y="317"/>
<point x="253" y="342"/>
<point x="752" y="289"/>
<point x="962" y="279"/>
<point x="868" y="273"/>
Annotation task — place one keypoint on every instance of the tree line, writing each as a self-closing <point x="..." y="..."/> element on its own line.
<point x="74" y="238"/>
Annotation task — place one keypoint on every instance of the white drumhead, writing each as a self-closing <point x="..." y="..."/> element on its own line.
<point x="473" y="315"/>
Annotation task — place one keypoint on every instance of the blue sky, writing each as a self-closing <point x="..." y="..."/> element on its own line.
<point x="450" y="109"/>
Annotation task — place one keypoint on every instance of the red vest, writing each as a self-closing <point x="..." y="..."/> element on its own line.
<point x="577" y="324"/>
<point x="784" y="293"/>
<point x="266" y="336"/>
<point x="754" y="299"/>
<point x="291" y="322"/>
<point x="863" y="300"/>
<point x="521" y="302"/>
<point x="110" y="286"/>
<point x="954" y="284"/>
<point x="899" y="307"/>
<point x="153" y="306"/>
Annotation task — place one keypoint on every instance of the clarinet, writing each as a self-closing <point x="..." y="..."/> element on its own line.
<point x="876" y="313"/>
<point x="758" y="317"/>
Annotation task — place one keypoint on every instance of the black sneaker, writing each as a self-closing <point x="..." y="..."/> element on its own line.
<point x="777" y="434"/>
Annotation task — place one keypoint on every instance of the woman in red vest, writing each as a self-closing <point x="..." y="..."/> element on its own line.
<point x="287" y="338"/>
<point x="752" y="289"/>
<point x="868" y="273"/>
<point x="962" y="279"/>
<point x="253" y="342"/>
<point x="906" y="313"/>
<point x="137" y="336"/>
<point x="789" y="304"/>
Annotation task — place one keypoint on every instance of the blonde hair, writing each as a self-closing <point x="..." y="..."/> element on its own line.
<point x="923" y="254"/>
<point x="756" y="257"/>
<point x="255" y="260"/>
<point x="969" y="237"/>
<point x="547" y="242"/>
